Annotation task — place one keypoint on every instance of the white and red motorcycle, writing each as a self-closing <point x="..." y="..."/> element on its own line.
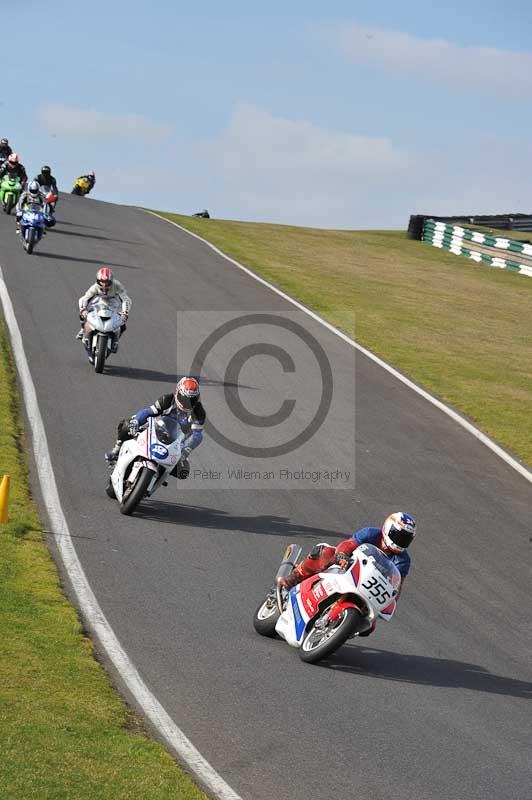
<point x="318" y="615"/>
<point x="144" y="463"/>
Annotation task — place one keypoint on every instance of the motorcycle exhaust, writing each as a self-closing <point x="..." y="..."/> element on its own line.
<point x="290" y="558"/>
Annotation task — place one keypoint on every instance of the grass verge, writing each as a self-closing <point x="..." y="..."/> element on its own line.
<point x="65" y="732"/>
<point x="458" y="328"/>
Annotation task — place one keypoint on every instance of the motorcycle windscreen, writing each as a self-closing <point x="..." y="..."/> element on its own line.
<point x="167" y="429"/>
<point x="384" y="565"/>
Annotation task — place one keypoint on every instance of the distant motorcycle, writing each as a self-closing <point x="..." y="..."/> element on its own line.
<point x="81" y="187"/>
<point x="50" y="196"/>
<point x="32" y="224"/>
<point x="104" y="320"/>
<point x="144" y="463"/>
<point x="10" y="191"/>
<point x="318" y="615"/>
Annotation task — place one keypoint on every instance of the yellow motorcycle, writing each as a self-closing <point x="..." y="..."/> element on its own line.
<point x="81" y="187"/>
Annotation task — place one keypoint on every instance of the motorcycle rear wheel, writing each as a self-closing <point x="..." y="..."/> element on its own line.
<point x="318" y="644"/>
<point x="136" y="494"/>
<point x="266" y="616"/>
<point x="101" y="353"/>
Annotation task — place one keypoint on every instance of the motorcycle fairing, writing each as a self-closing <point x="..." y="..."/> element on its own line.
<point x="142" y="449"/>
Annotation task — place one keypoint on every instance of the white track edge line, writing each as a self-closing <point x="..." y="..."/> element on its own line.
<point x="88" y="604"/>
<point x="482" y="437"/>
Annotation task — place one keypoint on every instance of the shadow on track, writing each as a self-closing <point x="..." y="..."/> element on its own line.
<point x="99" y="261"/>
<point x="141" y="374"/>
<point x="79" y="225"/>
<point x="95" y="236"/>
<point x="201" y="517"/>
<point x="425" y="671"/>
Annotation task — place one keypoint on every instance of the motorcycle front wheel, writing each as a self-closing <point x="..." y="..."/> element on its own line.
<point x="8" y="205"/>
<point x="325" y="637"/>
<point x="266" y="616"/>
<point x="30" y="241"/>
<point x="134" y="496"/>
<point x="101" y="353"/>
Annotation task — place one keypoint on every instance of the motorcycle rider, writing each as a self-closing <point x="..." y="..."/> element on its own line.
<point x="32" y="198"/>
<point x="106" y="286"/>
<point x="90" y="178"/>
<point x="14" y="169"/>
<point x="184" y="403"/>
<point x="45" y="178"/>
<point x="5" y="149"/>
<point x="396" y="534"/>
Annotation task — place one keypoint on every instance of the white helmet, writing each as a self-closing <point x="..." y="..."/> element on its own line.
<point x="398" y="531"/>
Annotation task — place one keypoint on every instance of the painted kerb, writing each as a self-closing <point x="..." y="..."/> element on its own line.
<point x="481" y="247"/>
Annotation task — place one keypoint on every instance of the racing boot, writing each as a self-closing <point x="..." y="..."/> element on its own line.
<point x="112" y="455"/>
<point x="79" y="334"/>
<point x="292" y="579"/>
<point x="182" y="469"/>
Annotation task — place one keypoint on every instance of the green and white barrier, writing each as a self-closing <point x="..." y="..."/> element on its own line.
<point x="461" y="242"/>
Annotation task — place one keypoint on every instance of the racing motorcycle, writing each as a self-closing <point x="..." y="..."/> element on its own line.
<point x="32" y="225"/>
<point x="50" y="197"/>
<point x="10" y="191"/>
<point x="104" y="320"/>
<point x="318" y="615"/>
<point x="81" y="187"/>
<point x="144" y="463"/>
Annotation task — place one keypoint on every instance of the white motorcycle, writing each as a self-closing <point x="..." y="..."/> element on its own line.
<point x="144" y="463"/>
<point x="104" y="320"/>
<point x="318" y="615"/>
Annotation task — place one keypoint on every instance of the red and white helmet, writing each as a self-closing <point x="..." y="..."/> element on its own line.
<point x="186" y="393"/>
<point x="13" y="158"/>
<point x="398" y="531"/>
<point x="104" y="279"/>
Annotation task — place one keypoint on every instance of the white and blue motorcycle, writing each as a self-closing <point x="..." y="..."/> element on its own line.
<point x="145" y="463"/>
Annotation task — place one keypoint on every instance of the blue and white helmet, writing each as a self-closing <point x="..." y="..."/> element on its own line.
<point x="34" y="188"/>
<point x="398" y="531"/>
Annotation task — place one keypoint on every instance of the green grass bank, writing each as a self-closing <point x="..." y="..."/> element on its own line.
<point x="65" y="732"/>
<point x="459" y="329"/>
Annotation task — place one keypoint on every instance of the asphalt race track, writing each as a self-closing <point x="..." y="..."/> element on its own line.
<point x="436" y="705"/>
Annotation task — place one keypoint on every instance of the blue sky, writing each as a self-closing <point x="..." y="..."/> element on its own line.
<point x="353" y="117"/>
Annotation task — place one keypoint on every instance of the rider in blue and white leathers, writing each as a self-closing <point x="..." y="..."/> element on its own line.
<point x="185" y="405"/>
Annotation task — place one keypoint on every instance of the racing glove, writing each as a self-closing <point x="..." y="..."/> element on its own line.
<point x="133" y="426"/>
<point x="342" y="560"/>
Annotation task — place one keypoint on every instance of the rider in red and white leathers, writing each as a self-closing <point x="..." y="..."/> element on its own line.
<point x="393" y="538"/>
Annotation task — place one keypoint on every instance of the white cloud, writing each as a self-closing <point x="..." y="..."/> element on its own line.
<point x="461" y="66"/>
<point x="60" y="120"/>
<point x="270" y="167"/>
<point x="276" y="149"/>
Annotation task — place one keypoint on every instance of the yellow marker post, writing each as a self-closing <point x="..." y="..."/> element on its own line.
<point x="4" y="499"/>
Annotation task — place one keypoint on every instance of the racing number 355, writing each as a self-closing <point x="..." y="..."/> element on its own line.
<point x="377" y="590"/>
